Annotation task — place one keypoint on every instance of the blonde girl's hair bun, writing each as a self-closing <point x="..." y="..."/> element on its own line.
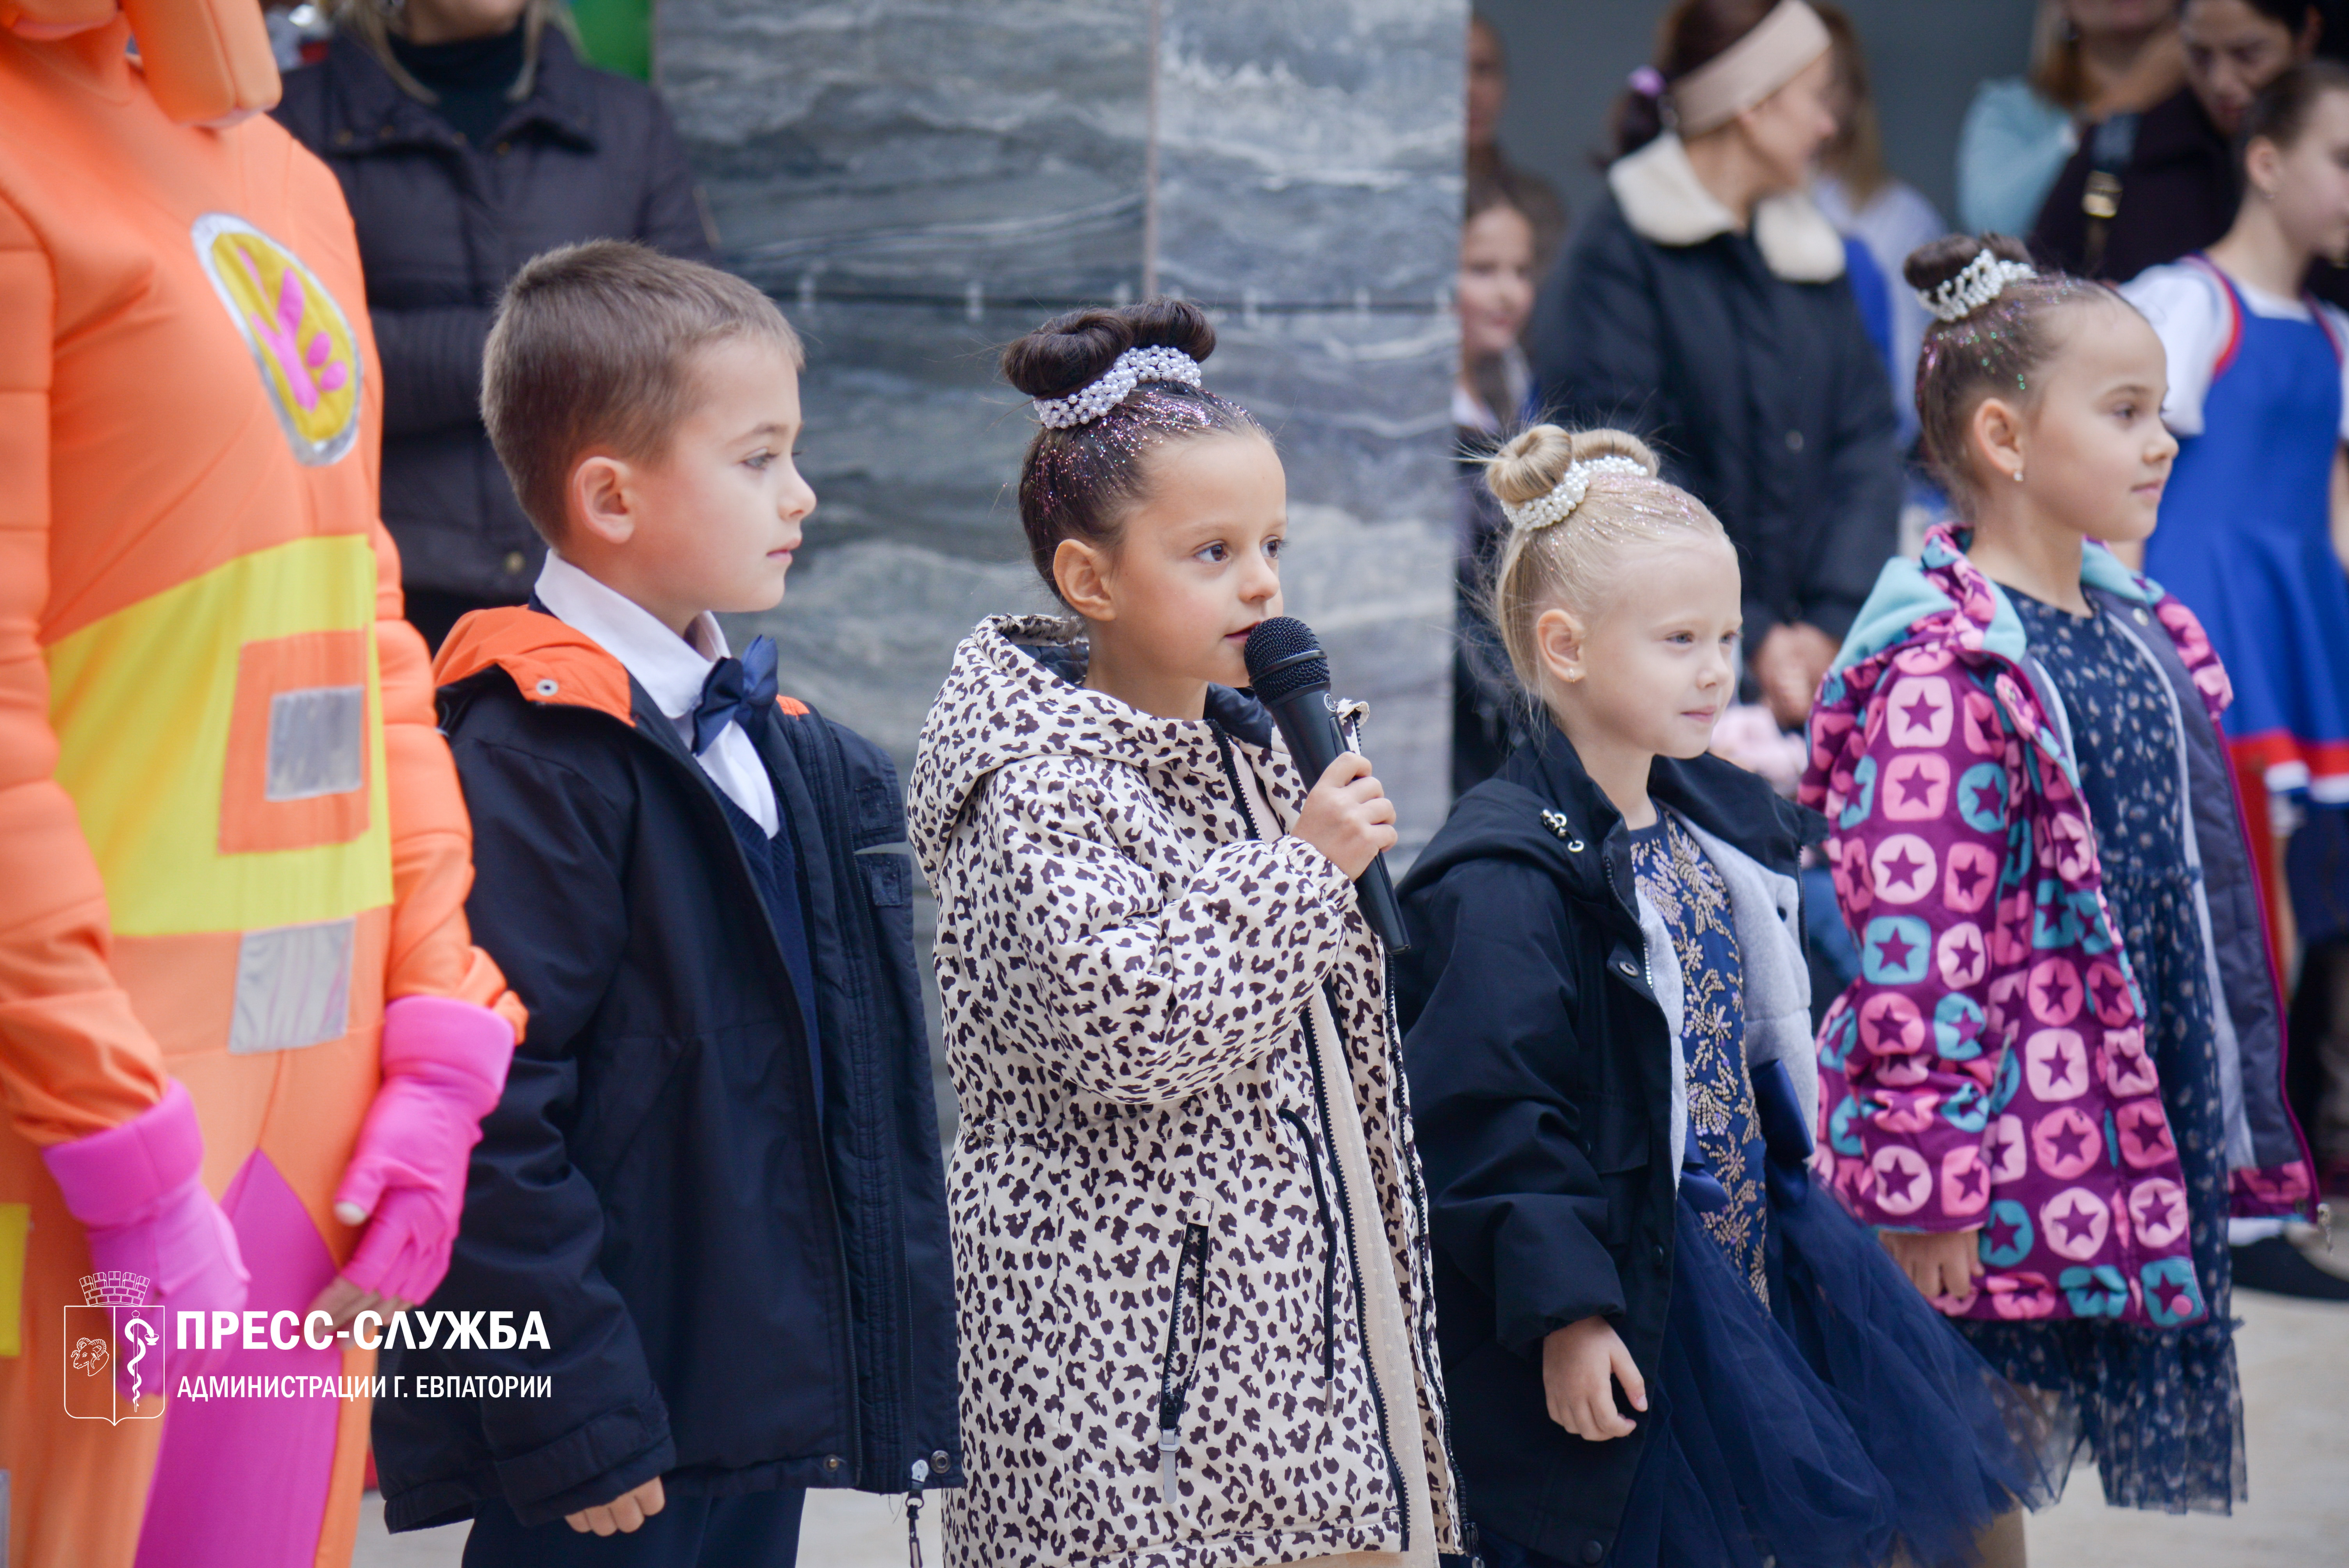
<point x="1579" y="503"/>
<point x="1533" y="461"/>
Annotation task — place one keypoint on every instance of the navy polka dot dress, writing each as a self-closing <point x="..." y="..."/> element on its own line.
<point x="2161" y="1409"/>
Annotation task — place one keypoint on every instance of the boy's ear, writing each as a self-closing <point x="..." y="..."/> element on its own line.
<point x="1559" y="638"/>
<point x="601" y="507"/>
<point x="1996" y="431"/>
<point x="1079" y="571"/>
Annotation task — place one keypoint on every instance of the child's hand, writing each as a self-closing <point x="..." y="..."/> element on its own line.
<point x="1348" y="816"/>
<point x="1945" y="1264"/>
<point x="624" y="1514"/>
<point x="1581" y="1364"/>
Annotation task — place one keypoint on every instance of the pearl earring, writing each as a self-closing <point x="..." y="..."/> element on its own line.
<point x="2018" y="476"/>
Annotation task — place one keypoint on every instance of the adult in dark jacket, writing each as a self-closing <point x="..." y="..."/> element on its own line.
<point x="1702" y="306"/>
<point x="467" y="143"/>
<point x="1550" y="1183"/>
<point x="2166" y="183"/>
<point x="793" y="1323"/>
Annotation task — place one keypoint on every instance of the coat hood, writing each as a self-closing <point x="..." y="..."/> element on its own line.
<point x="1027" y="669"/>
<point x="1667" y="204"/>
<point x="548" y="661"/>
<point x="1944" y="603"/>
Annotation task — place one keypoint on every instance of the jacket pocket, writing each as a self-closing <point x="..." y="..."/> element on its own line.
<point x="1329" y="1217"/>
<point x="889" y="877"/>
<point x="1619" y="1154"/>
<point x="1187" y="1324"/>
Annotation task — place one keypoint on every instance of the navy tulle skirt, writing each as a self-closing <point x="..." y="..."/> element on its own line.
<point x="1844" y="1426"/>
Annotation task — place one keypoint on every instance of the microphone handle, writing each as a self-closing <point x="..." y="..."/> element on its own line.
<point x="1314" y="742"/>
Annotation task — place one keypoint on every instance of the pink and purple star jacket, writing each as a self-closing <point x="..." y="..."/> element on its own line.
<point x="1989" y="1068"/>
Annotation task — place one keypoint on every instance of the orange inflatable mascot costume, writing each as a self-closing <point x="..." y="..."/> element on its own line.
<point x="245" y="1040"/>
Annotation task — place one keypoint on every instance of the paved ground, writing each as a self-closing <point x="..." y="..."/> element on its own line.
<point x="2296" y="1361"/>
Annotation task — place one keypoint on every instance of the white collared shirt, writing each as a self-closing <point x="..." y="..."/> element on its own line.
<point x="670" y="668"/>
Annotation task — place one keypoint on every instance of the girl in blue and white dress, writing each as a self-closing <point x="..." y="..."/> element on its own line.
<point x="2257" y="401"/>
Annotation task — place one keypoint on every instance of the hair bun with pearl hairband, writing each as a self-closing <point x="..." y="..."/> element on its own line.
<point x="1545" y="511"/>
<point x="1127" y="371"/>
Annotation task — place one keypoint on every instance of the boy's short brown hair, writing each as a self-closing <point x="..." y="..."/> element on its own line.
<point x="593" y="347"/>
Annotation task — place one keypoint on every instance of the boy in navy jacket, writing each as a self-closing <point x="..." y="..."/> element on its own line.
<point x="715" y="1170"/>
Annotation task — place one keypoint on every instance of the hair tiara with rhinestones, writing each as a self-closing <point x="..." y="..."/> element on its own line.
<point x="1127" y="371"/>
<point x="1545" y="511"/>
<point x="1982" y="281"/>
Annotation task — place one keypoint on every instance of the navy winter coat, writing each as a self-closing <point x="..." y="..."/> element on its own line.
<point x="737" y="1295"/>
<point x="1540" y="1071"/>
<point x="1742" y="359"/>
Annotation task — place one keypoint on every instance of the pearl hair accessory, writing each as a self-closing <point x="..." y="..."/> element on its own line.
<point x="1129" y="370"/>
<point x="1984" y="279"/>
<point x="1566" y="495"/>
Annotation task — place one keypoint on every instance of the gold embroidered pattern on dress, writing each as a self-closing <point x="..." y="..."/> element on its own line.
<point x="1688" y="892"/>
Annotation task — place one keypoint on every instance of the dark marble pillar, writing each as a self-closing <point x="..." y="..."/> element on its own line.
<point x="918" y="182"/>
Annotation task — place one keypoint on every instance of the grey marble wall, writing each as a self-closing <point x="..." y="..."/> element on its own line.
<point x="918" y="182"/>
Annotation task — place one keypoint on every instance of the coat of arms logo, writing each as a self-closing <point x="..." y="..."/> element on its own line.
<point x="114" y="1350"/>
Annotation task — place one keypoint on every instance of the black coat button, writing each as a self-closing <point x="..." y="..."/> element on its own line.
<point x="1592" y="1552"/>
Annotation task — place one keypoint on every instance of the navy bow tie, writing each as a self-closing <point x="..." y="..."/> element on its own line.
<point x="736" y="691"/>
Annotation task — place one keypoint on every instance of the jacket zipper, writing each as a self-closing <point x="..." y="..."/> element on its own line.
<point x="1338" y="1178"/>
<point x="1647" y="971"/>
<point x="1180" y="1368"/>
<point x="1329" y="1252"/>
<point x="856" y="901"/>
<point x="1232" y="777"/>
<point x="920" y="1473"/>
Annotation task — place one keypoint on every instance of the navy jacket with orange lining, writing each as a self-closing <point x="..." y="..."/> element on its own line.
<point x="738" y="1293"/>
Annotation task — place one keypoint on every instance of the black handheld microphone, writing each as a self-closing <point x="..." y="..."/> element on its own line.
<point x="1291" y="677"/>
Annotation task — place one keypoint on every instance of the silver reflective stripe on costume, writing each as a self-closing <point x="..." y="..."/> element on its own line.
<point x="293" y="987"/>
<point x="314" y="742"/>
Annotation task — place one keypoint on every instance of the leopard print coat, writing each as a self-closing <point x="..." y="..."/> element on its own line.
<point x="1151" y="1262"/>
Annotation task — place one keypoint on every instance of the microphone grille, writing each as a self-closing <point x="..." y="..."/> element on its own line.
<point x="1284" y="657"/>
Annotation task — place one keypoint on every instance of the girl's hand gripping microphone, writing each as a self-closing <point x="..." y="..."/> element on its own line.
<point x="1291" y="677"/>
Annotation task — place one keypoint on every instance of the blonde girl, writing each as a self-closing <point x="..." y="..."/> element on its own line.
<point x="1677" y="1352"/>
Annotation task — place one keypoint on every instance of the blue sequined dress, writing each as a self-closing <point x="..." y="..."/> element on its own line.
<point x="2161" y="1409"/>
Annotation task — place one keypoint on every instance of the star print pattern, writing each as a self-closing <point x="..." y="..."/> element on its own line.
<point x="2062" y="843"/>
<point x="1687" y="891"/>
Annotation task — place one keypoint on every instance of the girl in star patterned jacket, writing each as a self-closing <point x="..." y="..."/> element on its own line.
<point x="2062" y="1064"/>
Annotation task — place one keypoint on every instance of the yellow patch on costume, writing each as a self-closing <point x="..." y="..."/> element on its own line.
<point x="222" y="743"/>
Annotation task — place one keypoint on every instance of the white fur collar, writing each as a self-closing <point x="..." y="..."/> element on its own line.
<point x="1667" y="204"/>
